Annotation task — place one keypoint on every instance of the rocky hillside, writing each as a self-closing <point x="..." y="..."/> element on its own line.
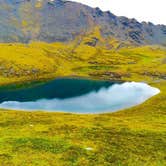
<point x="59" y="20"/>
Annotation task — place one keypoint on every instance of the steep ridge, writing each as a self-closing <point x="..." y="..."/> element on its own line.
<point x="59" y="20"/>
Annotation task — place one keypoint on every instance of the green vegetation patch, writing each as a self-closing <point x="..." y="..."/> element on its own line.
<point x="42" y="144"/>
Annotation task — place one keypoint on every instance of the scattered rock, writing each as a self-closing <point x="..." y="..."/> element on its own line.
<point x="111" y="75"/>
<point x="93" y="42"/>
<point x="155" y="74"/>
<point x="89" y="149"/>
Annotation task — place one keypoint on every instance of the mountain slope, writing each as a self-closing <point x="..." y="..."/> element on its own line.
<point x="58" y="20"/>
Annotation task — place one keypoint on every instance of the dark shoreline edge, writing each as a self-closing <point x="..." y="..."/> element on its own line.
<point x="23" y="83"/>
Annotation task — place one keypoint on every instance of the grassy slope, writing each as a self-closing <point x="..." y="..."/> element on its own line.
<point x="136" y="136"/>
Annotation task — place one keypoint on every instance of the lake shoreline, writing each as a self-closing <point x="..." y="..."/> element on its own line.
<point x="47" y="79"/>
<point x="78" y="95"/>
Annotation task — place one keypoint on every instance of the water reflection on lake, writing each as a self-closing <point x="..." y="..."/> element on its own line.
<point x="76" y="96"/>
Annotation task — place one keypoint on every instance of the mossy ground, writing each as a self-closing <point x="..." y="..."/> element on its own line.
<point x="133" y="137"/>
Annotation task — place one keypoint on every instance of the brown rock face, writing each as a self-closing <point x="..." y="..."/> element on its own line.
<point x="59" y="20"/>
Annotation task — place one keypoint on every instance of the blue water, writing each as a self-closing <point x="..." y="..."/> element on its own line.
<point x="75" y="96"/>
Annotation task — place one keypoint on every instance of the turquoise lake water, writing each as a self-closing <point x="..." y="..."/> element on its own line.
<point x="75" y="96"/>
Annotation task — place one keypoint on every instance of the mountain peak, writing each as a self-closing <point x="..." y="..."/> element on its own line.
<point x="59" y="20"/>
